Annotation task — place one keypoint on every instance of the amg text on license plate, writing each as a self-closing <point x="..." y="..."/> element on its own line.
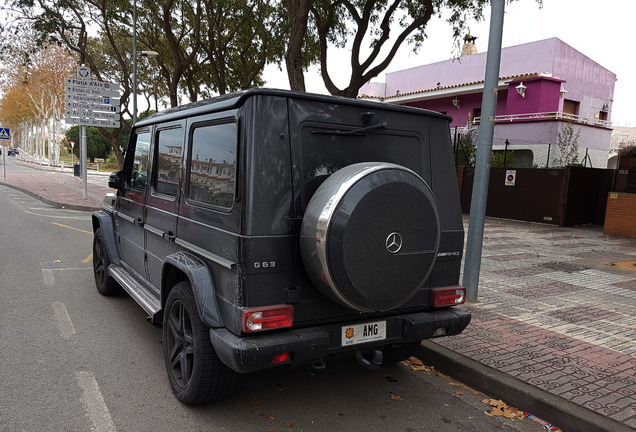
<point x="361" y="333"/>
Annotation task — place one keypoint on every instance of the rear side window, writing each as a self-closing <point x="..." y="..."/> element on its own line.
<point x="169" y="153"/>
<point x="212" y="167"/>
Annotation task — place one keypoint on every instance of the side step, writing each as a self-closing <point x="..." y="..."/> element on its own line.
<point x="141" y="293"/>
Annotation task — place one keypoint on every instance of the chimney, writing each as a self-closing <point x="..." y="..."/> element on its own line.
<point x="469" y="47"/>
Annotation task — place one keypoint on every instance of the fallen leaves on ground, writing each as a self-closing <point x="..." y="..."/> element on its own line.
<point x="499" y="408"/>
<point x="417" y="365"/>
<point x="396" y="397"/>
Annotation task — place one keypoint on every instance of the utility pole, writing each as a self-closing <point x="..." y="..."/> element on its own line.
<point x="474" y="244"/>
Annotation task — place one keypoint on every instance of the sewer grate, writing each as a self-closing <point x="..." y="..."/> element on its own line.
<point x="564" y="267"/>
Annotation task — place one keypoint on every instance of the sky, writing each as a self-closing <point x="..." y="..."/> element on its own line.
<point x="599" y="30"/>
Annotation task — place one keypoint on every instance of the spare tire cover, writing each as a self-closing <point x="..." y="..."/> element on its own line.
<point x="370" y="236"/>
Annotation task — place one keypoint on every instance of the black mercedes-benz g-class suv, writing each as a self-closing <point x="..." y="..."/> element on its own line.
<point x="268" y="227"/>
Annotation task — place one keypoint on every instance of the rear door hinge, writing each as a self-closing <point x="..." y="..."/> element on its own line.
<point x="291" y="296"/>
<point x="294" y="224"/>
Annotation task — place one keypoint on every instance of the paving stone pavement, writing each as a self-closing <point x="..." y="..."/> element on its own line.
<point x="554" y="313"/>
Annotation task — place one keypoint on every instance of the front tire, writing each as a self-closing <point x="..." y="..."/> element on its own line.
<point x="106" y="285"/>
<point x="197" y="375"/>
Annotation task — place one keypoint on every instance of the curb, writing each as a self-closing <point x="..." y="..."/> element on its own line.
<point x="52" y="203"/>
<point x="567" y="415"/>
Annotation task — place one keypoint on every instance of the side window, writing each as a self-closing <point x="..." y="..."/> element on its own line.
<point x="212" y="167"/>
<point x="139" y="172"/>
<point x="169" y="150"/>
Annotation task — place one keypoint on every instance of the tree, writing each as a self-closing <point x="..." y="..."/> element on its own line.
<point x="374" y="30"/>
<point x="97" y="146"/>
<point x="568" y="145"/>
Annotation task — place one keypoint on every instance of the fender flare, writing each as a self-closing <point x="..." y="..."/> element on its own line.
<point x="201" y="282"/>
<point x="104" y="220"/>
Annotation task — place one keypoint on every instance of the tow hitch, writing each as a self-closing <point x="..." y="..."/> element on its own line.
<point x="372" y="365"/>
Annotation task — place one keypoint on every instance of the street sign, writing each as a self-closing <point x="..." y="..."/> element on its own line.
<point x="91" y="114"/>
<point x="90" y="91"/>
<point x="83" y="72"/>
<point x="92" y="106"/>
<point x="5" y="133"/>
<point x="92" y="84"/>
<point x="91" y="122"/>
<point x="72" y="145"/>
<point x="91" y="99"/>
<point x="90" y="102"/>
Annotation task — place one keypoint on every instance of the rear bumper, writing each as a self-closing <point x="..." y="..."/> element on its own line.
<point x="254" y="352"/>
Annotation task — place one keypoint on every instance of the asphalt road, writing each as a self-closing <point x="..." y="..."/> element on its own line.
<point x="72" y="360"/>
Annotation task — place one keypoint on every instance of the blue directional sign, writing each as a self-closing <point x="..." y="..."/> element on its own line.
<point x="5" y="133"/>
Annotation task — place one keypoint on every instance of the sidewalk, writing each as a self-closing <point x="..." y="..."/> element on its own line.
<point x="553" y="332"/>
<point x="60" y="188"/>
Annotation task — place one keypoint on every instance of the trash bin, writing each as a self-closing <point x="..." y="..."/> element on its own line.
<point x="76" y="170"/>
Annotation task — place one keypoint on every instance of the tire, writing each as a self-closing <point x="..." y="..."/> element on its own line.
<point x="106" y="285"/>
<point x="397" y="353"/>
<point x="370" y="236"/>
<point x="196" y="374"/>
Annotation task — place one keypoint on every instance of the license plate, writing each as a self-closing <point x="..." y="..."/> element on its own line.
<point x="361" y="333"/>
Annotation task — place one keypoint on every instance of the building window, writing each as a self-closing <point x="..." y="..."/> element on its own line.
<point x="476" y="113"/>
<point x="570" y="107"/>
<point x="213" y="165"/>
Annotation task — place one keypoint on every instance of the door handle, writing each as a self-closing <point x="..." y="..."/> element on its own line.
<point x="169" y="236"/>
<point x="139" y="222"/>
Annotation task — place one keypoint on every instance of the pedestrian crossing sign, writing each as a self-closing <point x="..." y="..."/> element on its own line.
<point x="5" y="133"/>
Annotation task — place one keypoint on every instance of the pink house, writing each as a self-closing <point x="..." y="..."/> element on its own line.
<point x="543" y="86"/>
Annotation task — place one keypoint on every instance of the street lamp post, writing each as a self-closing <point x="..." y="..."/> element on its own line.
<point x="149" y="54"/>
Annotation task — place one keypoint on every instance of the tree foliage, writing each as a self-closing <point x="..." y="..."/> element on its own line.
<point x="568" y="145"/>
<point x="373" y="30"/>
<point x="97" y="146"/>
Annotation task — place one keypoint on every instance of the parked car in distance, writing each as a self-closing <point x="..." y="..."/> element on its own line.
<point x="270" y="228"/>
<point x="12" y="151"/>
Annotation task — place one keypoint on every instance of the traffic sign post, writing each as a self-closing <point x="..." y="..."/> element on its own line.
<point x="5" y="133"/>
<point x="90" y="103"/>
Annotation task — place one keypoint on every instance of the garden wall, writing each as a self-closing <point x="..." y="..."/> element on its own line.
<point x="564" y="197"/>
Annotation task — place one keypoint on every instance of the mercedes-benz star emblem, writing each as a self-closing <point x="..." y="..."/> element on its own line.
<point x="393" y="243"/>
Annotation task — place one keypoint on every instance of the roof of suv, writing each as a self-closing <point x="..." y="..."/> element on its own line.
<point x="236" y="99"/>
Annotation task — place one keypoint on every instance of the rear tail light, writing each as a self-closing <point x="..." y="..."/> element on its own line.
<point x="267" y="318"/>
<point x="447" y="296"/>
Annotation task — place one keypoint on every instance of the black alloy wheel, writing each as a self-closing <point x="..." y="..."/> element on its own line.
<point x="106" y="285"/>
<point x="197" y="375"/>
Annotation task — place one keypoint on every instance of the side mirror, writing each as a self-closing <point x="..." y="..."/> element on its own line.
<point x="116" y="180"/>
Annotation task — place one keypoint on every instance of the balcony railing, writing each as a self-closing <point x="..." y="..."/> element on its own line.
<point x="510" y="118"/>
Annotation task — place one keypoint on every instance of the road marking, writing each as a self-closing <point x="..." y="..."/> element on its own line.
<point x="94" y="405"/>
<point x="89" y="258"/>
<point x="47" y="277"/>
<point x="70" y="227"/>
<point x="63" y="320"/>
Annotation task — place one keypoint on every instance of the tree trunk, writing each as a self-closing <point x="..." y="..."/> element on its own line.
<point x="299" y="14"/>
